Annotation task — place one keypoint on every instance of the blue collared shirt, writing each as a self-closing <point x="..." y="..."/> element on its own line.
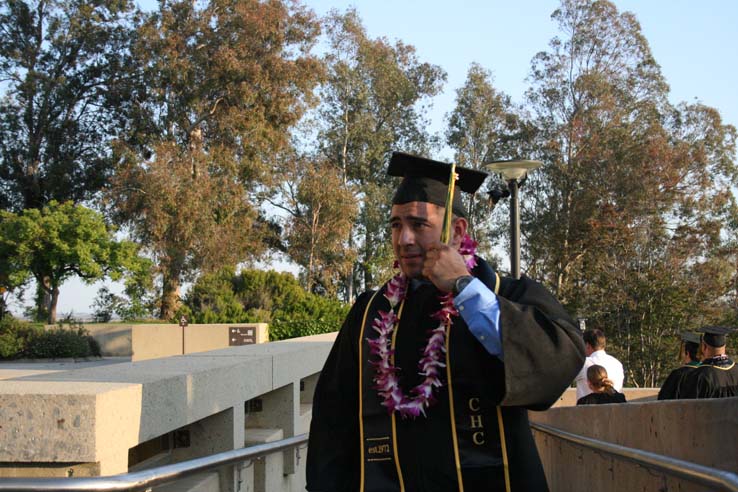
<point x="481" y="310"/>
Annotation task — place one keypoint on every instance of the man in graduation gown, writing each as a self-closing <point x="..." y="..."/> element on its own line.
<point x="508" y="347"/>
<point x="717" y="376"/>
<point x="688" y="349"/>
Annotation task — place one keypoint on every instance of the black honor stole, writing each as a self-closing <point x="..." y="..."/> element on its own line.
<point x="466" y="415"/>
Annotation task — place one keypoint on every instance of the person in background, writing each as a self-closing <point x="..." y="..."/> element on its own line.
<point x="594" y="348"/>
<point x="717" y="376"/>
<point x="689" y="357"/>
<point x="602" y="390"/>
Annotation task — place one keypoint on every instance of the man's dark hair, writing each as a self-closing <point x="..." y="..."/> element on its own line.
<point x="595" y="338"/>
<point x="691" y="348"/>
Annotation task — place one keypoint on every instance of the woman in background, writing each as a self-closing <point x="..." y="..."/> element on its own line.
<point x="602" y="389"/>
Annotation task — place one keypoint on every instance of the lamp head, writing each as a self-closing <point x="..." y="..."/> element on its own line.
<point x="514" y="169"/>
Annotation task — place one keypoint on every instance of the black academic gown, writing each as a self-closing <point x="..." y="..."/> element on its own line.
<point x="601" y="398"/>
<point x="716" y="377"/>
<point x="670" y="389"/>
<point x="542" y="351"/>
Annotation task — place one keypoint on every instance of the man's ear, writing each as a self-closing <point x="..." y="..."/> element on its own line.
<point x="460" y="226"/>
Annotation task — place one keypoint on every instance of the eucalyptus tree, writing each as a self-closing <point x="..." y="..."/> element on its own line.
<point x="483" y="126"/>
<point x="221" y="83"/>
<point x="63" y="67"/>
<point x="374" y="101"/>
<point x="320" y="211"/>
<point x="628" y="216"/>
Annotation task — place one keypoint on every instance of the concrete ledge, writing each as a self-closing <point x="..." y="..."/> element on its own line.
<point x="96" y="414"/>
<point x="569" y="397"/>
<point x="51" y="422"/>
<point x="698" y="431"/>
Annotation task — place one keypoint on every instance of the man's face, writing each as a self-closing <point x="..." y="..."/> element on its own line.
<point x="415" y="226"/>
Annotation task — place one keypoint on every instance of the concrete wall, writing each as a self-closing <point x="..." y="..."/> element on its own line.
<point x="698" y="431"/>
<point x="223" y="399"/>
<point x="153" y="341"/>
<point x="114" y="338"/>
<point x="84" y="422"/>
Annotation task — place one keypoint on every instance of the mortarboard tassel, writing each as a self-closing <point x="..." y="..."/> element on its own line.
<point x="446" y="231"/>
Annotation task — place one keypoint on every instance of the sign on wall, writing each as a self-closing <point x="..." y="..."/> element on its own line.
<point x="241" y="335"/>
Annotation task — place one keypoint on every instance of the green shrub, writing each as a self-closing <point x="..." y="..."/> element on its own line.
<point x="255" y="296"/>
<point x="312" y="315"/>
<point x="19" y="339"/>
<point x="10" y="345"/>
<point x="15" y="336"/>
<point x="60" y="343"/>
<point x="282" y="330"/>
<point x="213" y="300"/>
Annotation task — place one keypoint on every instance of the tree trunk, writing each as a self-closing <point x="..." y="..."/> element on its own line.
<point x="52" y="305"/>
<point x="43" y="299"/>
<point x="344" y="165"/>
<point x="313" y="240"/>
<point x="350" y="277"/>
<point x="3" y="303"/>
<point x="368" y="277"/>
<point x="169" y="297"/>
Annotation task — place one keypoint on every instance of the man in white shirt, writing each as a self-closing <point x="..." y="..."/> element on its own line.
<point x="594" y="348"/>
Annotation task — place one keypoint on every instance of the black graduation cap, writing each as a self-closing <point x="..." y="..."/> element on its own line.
<point x="715" y="335"/>
<point x="691" y="337"/>
<point x="426" y="180"/>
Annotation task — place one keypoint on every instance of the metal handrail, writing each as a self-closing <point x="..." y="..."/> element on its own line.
<point x="701" y="475"/>
<point x="145" y="479"/>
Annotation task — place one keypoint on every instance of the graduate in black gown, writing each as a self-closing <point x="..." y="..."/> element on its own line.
<point x="688" y="355"/>
<point x="717" y="376"/>
<point x="429" y="381"/>
<point x="602" y="388"/>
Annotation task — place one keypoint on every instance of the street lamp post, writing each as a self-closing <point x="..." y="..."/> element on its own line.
<point x="512" y="171"/>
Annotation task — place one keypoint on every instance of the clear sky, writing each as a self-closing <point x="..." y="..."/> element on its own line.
<point x="694" y="42"/>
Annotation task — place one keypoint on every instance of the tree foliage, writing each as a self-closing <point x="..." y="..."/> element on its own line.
<point x="220" y="86"/>
<point x="59" y="241"/>
<point x="627" y="220"/>
<point x="61" y="67"/>
<point x="632" y="220"/>
<point x="484" y="126"/>
<point x="320" y="213"/>
<point x="373" y="102"/>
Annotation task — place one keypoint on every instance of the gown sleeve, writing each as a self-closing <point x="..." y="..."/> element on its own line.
<point x="333" y="447"/>
<point x="668" y="390"/>
<point x="542" y="344"/>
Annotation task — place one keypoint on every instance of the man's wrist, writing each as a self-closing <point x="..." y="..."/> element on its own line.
<point x="460" y="283"/>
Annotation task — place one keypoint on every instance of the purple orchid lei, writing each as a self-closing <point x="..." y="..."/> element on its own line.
<point x="386" y="379"/>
